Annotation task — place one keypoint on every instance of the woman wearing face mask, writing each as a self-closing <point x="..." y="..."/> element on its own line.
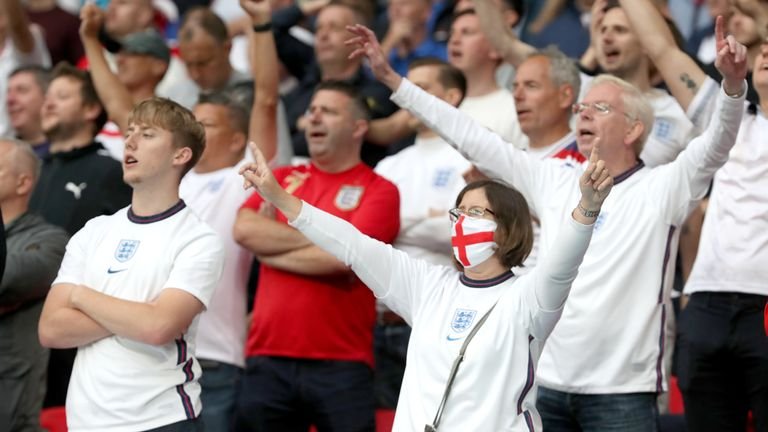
<point x="493" y="388"/>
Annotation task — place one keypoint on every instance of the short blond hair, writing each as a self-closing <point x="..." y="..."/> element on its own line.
<point x="636" y="105"/>
<point x="179" y="121"/>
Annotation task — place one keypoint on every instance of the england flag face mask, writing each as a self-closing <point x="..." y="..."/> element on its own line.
<point x="472" y="240"/>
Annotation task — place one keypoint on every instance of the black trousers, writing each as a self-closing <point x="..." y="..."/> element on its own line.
<point x="723" y="361"/>
<point x="288" y="395"/>
<point x="194" y="425"/>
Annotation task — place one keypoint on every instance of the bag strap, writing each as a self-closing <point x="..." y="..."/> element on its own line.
<point x="454" y="371"/>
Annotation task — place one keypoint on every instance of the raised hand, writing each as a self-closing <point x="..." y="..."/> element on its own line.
<point x="258" y="176"/>
<point x="731" y="59"/>
<point x="257" y="173"/>
<point x="257" y="9"/>
<point x="312" y="7"/>
<point x="366" y="45"/>
<point x="596" y="20"/>
<point x="91" y="20"/>
<point x="595" y="183"/>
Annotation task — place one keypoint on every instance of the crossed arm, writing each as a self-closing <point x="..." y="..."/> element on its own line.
<point x="75" y="315"/>
<point x="278" y="245"/>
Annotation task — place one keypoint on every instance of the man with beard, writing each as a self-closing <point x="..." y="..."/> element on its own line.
<point x="78" y="180"/>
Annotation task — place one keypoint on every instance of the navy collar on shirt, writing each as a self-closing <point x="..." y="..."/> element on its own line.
<point x="157" y="217"/>
<point x="485" y="283"/>
<point x="628" y="173"/>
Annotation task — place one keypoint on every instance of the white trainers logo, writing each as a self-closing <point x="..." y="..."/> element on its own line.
<point x="77" y="190"/>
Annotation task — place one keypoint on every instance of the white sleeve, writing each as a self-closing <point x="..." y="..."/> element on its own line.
<point x="680" y="184"/>
<point x="702" y="106"/>
<point x="74" y="264"/>
<point x="391" y="274"/>
<point x="197" y="266"/>
<point x="495" y="157"/>
<point x="553" y="276"/>
<point x="431" y="233"/>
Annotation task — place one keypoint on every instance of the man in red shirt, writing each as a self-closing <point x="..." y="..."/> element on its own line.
<point x="310" y="346"/>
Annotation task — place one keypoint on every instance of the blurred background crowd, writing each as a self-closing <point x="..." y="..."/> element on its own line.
<point x="70" y="75"/>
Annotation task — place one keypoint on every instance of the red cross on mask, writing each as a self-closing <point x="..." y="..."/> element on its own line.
<point x="472" y="240"/>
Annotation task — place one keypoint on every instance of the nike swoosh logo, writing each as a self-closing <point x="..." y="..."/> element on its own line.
<point x="453" y="338"/>
<point x="110" y="271"/>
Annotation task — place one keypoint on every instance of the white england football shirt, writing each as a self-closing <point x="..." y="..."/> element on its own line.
<point x="494" y="388"/>
<point x="610" y="338"/>
<point x="119" y="384"/>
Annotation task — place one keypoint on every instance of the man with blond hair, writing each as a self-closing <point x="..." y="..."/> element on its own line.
<point x="132" y="285"/>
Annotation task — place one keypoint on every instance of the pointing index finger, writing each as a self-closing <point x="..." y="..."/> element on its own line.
<point x="594" y="155"/>
<point x="719" y="29"/>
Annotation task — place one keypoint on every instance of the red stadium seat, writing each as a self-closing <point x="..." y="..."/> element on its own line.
<point x="765" y="320"/>
<point x="54" y="419"/>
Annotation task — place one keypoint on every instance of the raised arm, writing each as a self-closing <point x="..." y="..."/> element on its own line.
<point x="559" y="268"/>
<point x="114" y="94"/>
<point x="501" y="36"/>
<point x="387" y="130"/>
<point x="554" y="276"/>
<point x="680" y="72"/>
<point x="484" y="148"/>
<point x="18" y="23"/>
<point x="373" y="261"/>
<point x="263" y="124"/>
<point x="548" y="12"/>
<point x="692" y="171"/>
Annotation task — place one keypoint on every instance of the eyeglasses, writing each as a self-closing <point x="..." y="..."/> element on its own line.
<point x="601" y="108"/>
<point x="475" y="212"/>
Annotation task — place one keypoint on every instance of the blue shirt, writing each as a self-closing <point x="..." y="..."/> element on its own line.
<point x="428" y="48"/>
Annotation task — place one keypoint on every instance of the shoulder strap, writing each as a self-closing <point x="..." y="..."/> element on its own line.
<point x="454" y="370"/>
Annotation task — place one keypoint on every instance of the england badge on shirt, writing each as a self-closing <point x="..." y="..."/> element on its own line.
<point x="126" y="249"/>
<point x="462" y="319"/>
<point x="348" y="197"/>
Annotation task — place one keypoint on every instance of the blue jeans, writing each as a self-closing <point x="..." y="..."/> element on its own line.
<point x="220" y="383"/>
<point x="288" y="395"/>
<point x="571" y="412"/>
<point x="390" y="348"/>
